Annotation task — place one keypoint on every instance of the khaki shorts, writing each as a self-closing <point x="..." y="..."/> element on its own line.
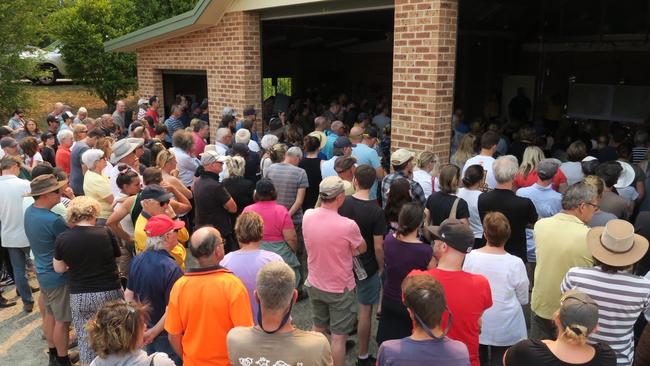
<point x="338" y="312"/>
<point x="57" y="302"/>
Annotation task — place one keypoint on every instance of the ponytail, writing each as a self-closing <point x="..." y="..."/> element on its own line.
<point x="575" y="333"/>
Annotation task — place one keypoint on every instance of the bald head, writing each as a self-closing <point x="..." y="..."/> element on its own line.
<point x="356" y="134"/>
<point x="320" y="123"/>
<point x="338" y="128"/>
<point x="204" y="243"/>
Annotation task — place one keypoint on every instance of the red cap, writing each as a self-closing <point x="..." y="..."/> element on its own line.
<point x="161" y="224"/>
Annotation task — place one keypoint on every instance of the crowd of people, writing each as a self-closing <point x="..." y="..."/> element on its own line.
<point x="158" y="243"/>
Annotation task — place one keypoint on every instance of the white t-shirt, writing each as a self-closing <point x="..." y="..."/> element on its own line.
<point x="11" y="211"/>
<point x="486" y="162"/>
<point x="471" y="197"/>
<point x="503" y="323"/>
<point x="112" y="177"/>
<point x="424" y="179"/>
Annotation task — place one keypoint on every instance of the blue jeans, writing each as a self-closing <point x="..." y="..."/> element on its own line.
<point x="161" y="344"/>
<point x="18" y="257"/>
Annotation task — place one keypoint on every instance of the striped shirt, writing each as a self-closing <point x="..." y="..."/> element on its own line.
<point x="621" y="297"/>
<point x="288" y="179"/>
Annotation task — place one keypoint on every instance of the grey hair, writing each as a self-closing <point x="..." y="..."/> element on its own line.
<point x="221" y="133"/>
<point x="578" y="194"/>
<point x="275" y="284"/>
<point x="505" y="168"/>
<point x="63" y="134"/>
<point x="294" y="152"/>
<point x="156" y="242"/>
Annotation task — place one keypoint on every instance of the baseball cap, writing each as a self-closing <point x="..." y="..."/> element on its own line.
<point x="456" y="234"/>
<point x="547" y="168"/>
<point x="579" y="312"/>
<point x="67" y="115"/>
<point x="371" y="132"/>
<point x="229" y="111"/>
<point x="342" y="142"/>
<point x="249" y="111"/>
<point x="142" y="101"/>
<point x="210" y="157"/>
<point x="8" y="142"/>
<point x="52" y="118"/>
<point x="161" y="224"/>
<point x="400" y="156"/>
<point x="155" y="192"/>
<point x="330" y="187"/>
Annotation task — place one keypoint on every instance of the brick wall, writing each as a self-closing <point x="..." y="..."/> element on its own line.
<point x="229" y="52"/>
<point x="424" y="58"/>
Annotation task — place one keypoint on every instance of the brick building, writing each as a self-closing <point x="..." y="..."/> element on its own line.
<point x="220" y="40"/>
<point x="586" y="59"/>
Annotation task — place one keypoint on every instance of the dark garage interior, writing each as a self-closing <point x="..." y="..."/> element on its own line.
<point x="589" y="54"/>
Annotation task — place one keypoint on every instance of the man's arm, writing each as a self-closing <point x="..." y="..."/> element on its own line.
<point x="297" y="204"/>
<point x="176" y="341"/>
<point x="230" y="206"/>
<point x="378" y="242"/>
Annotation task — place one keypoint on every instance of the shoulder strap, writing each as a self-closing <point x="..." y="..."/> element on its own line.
<point x="152" y="358"/>
<point x="452" y="213"/>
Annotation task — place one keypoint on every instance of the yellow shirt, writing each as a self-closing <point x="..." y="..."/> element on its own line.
<point x="560" y="244"/>
<point x="179" y="253"/>
<point x="98" y="187"/>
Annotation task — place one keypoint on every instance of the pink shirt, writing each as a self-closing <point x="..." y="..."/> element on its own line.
<point x="329" y="240"/>
<point x="276" y="218"/>
<point x="199" y="144"/>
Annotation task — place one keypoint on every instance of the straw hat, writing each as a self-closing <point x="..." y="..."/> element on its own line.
<point x="322" y="138"/>
<point x="616" y="244"/>
<point x="43" y="184"/>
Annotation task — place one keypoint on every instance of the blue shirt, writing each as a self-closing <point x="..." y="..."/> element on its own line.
<point x="173" y="124"/>
<point x="366" y="155"/>
<point x="42" y="226"/>
<point x="328" y="149"/>
<point x="547" y="203"/>
<point x="151" y="277"/>
<point x="327" y="168"/>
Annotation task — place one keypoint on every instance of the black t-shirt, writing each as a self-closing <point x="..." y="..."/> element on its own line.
<point x="371" y="221"/>
<point x="89" y="252"/>
<point x="312" y="168"/>
<point x="241" y="190"/>
<point x="209" y="198"/>
<point x="536" y="353"/>
<point x="519" y="211"/>
<point x="440" y="204"/>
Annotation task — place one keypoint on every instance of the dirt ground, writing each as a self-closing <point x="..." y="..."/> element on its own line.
<point x="67" y="93"/>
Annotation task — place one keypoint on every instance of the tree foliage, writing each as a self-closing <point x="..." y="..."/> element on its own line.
<point x="21" y="25"/>
<point x="82" y="28"/>
<point x="84" y="25"/>
<point x="153" y="11"/>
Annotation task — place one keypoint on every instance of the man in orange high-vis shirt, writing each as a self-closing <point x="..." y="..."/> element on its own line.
<point x="205" y="304"/>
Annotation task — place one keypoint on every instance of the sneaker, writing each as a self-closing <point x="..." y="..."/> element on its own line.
<point x="4" y="303"/>
<point x="370" y="361"/>
<point x="28" y="307"/>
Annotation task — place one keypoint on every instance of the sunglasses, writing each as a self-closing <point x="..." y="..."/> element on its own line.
<point x="163" y="203"/>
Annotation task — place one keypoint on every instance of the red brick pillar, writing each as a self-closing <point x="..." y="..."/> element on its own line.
<point x="424" y="58"/>
<point x="235" y="75"/>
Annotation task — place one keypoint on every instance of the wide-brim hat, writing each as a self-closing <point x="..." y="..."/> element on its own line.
<point x="320" y="136"/>
<point x="627" y="176"/>
<point x="121" y="149"/>
<point x="43" y="184"/>
<point x="616" y="244"/>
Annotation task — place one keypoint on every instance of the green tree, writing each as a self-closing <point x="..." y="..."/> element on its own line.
<point x="153" y="11"/>
<point x="83" y="27"/>
<point x="21" y="24"/>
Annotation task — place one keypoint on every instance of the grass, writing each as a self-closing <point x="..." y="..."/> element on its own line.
<point x="75" y="96"/>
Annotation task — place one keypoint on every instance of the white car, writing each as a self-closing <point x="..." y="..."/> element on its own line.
<point x="50" y="63"/>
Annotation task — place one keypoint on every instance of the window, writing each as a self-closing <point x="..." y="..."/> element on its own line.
<point x="273" y="86"/>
